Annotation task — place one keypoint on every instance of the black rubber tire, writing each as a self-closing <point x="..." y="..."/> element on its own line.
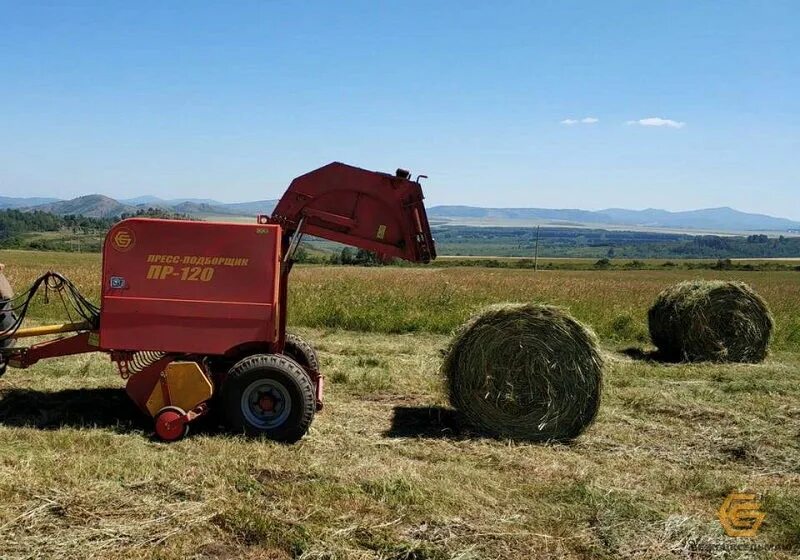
<point x="278" y="368"/>
<point x="301" y="352"/>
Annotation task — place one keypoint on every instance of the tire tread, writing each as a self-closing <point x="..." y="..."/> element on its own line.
<point x="269" y="363"/>
<point x="301" y="351"/>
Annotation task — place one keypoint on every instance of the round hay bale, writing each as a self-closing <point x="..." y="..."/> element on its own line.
<point x="702" y="320"/>
<point x="525" y="371"/>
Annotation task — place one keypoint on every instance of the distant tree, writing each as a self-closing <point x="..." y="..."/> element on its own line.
<point x="300" y="254"/>
<point x="347" y="256"/>
<point x="635" y="264"/>
<point x="367" y="258"/>
<point x="602" y="263"/>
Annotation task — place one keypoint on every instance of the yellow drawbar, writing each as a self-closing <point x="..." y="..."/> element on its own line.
<point x="51" y="329"/>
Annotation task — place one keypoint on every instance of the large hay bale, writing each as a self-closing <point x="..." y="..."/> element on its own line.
<point x="718" y="321"/>
<point x="525" y="371"/>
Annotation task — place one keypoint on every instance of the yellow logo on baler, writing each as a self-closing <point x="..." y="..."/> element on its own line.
<point x="123" y="239"/>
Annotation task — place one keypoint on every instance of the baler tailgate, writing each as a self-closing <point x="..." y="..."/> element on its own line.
<point x="366" y="209"/>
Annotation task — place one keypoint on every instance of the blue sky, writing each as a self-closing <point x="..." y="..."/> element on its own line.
<point x="232" y="100"/>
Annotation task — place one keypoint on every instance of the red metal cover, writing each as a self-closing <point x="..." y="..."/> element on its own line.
<point x="376" y="211"/>
<point x="186" y="286"/>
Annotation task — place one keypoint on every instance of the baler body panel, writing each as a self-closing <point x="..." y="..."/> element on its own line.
<point x="189" y="286"/>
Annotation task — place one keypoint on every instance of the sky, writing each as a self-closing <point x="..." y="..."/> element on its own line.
<point x="563" y="104"/>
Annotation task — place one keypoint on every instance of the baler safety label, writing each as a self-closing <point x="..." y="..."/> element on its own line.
<point x="201" y="268"/>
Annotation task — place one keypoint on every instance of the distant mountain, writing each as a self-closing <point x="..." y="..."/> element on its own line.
<point x="151" y="200"/>
<point x="233" y="209"/>
<point x="146" y="199"/>
<point x="91" y="205"/>
<point x="214" y="207"/>
<point x="100" y="206"/>
<point x="203" y="206"/>
<point x="209" y="201"/>
<point x="252" y="208"/>
<point x="513" y="213"/>
<point x="716" y="219"/>
<point x="710" y="219"/>
<point x="12" y="202"/>
<point x="198" y="208"/>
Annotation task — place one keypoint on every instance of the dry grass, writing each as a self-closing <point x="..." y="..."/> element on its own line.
<point x="386" y="471"/>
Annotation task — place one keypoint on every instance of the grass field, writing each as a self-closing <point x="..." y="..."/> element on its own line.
<point x="387" y="471"/>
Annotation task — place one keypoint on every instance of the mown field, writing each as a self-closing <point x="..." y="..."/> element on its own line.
<point x="387" y="470"/>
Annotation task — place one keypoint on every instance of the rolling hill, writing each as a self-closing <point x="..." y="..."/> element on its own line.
<point x="709" y="219"/>
<point x="100" y="206"/>
<point x="252" y="208"/>
<point x="91" y="205"/>
<point x="151" y="200"/>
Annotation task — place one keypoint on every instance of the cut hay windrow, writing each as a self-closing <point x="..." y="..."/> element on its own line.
<point x="525" y="371"/>
<point x="715" y="320"/>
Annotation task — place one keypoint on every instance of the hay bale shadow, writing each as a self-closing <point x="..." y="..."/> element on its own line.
<point x="642" y="355"/>
<point x="100" y="408"/>
<point x="437" y="422"/>
<point x="434" y="422"/>
<point x="74" y="408"/>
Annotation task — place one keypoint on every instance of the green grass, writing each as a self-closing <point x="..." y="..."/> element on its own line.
<point x="386" y="471"/>
<point x="614" y="303"/>
<point x="434" y="300"/>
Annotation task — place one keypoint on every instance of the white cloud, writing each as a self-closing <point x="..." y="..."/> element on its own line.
<point x="585" y="120"/>
<point x="658" y="121"/>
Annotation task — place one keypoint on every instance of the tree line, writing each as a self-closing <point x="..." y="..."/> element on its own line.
<point x="18" y="228"/>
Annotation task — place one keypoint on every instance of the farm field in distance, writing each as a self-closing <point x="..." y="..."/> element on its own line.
<point x="386" y="470"/>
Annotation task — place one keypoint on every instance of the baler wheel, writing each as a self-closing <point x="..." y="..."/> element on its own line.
<point x="171" y="424"/>
<point x="269" y="395"/>
<point x="301" y="352"/>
